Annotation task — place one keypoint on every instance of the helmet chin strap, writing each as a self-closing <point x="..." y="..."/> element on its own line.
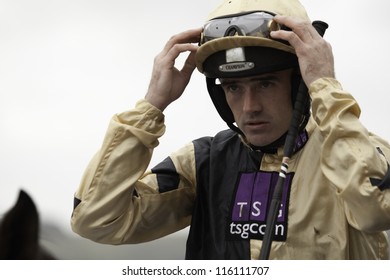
<point x="271" y="148"/>
<point x="218" y="98"/>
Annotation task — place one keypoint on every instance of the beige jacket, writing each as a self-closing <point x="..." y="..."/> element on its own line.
<point x="119" y="202"/>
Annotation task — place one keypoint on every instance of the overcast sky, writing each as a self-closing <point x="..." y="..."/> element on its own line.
<point x="67" y="66"/>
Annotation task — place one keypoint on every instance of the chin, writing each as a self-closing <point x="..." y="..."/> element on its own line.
<point x="258" y="143"/>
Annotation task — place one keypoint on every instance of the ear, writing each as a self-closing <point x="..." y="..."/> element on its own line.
<point x="19" y="230"/>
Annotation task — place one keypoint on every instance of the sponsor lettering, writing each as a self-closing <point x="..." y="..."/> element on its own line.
<point x="253" y="230"/>
<point x="236" y="67"/>
<point x="250" y="204"/>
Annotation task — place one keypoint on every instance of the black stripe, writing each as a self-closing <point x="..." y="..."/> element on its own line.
<point x="76" y="202"/>
<point x="167" y="177"/>
<point x="384" y="183"/>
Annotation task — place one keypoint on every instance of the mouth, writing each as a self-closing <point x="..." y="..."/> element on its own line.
<point x="256" y="124"/>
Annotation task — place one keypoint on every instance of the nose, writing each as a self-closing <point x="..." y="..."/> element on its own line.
<point x="252" y="102"/>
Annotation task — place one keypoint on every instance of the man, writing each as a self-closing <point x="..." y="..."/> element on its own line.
<point x="335" y="195"/>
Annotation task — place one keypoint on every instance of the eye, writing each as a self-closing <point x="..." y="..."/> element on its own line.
<point x="232" y="88"/>
<point x="264" y="84"/>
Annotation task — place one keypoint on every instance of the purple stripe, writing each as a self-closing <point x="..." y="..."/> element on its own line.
<point x="253" y="195"/>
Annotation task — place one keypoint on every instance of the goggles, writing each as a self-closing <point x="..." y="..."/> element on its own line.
<point x="255" y="24"/>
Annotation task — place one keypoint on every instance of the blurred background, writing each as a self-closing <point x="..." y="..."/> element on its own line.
<point x="67" y="66"/>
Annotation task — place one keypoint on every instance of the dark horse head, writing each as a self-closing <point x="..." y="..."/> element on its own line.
<point x="19" y="232"/>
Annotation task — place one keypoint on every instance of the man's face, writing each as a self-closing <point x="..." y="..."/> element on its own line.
<point x="261" y="105"/>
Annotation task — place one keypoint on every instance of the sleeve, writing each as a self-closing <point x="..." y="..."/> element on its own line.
<point x="354" y="160"/>
<point x="118" y="201"/>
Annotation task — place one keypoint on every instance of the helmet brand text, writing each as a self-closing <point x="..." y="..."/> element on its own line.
<point x="236" y="67"/>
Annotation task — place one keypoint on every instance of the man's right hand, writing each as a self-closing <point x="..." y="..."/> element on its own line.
<point x="167" y="82"/>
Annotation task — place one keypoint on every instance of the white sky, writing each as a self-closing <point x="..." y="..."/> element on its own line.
<point x="67" y="66"/>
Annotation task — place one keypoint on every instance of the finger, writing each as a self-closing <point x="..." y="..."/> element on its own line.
<point x="189" y="36"/>
<point x="304" y="29"/>
<point x="288" y="36"/>
<point x="189" y="65"/>
<point x="176" y="50"/>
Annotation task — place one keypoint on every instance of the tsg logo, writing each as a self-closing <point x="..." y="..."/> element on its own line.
<point x="249" y="208"/>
